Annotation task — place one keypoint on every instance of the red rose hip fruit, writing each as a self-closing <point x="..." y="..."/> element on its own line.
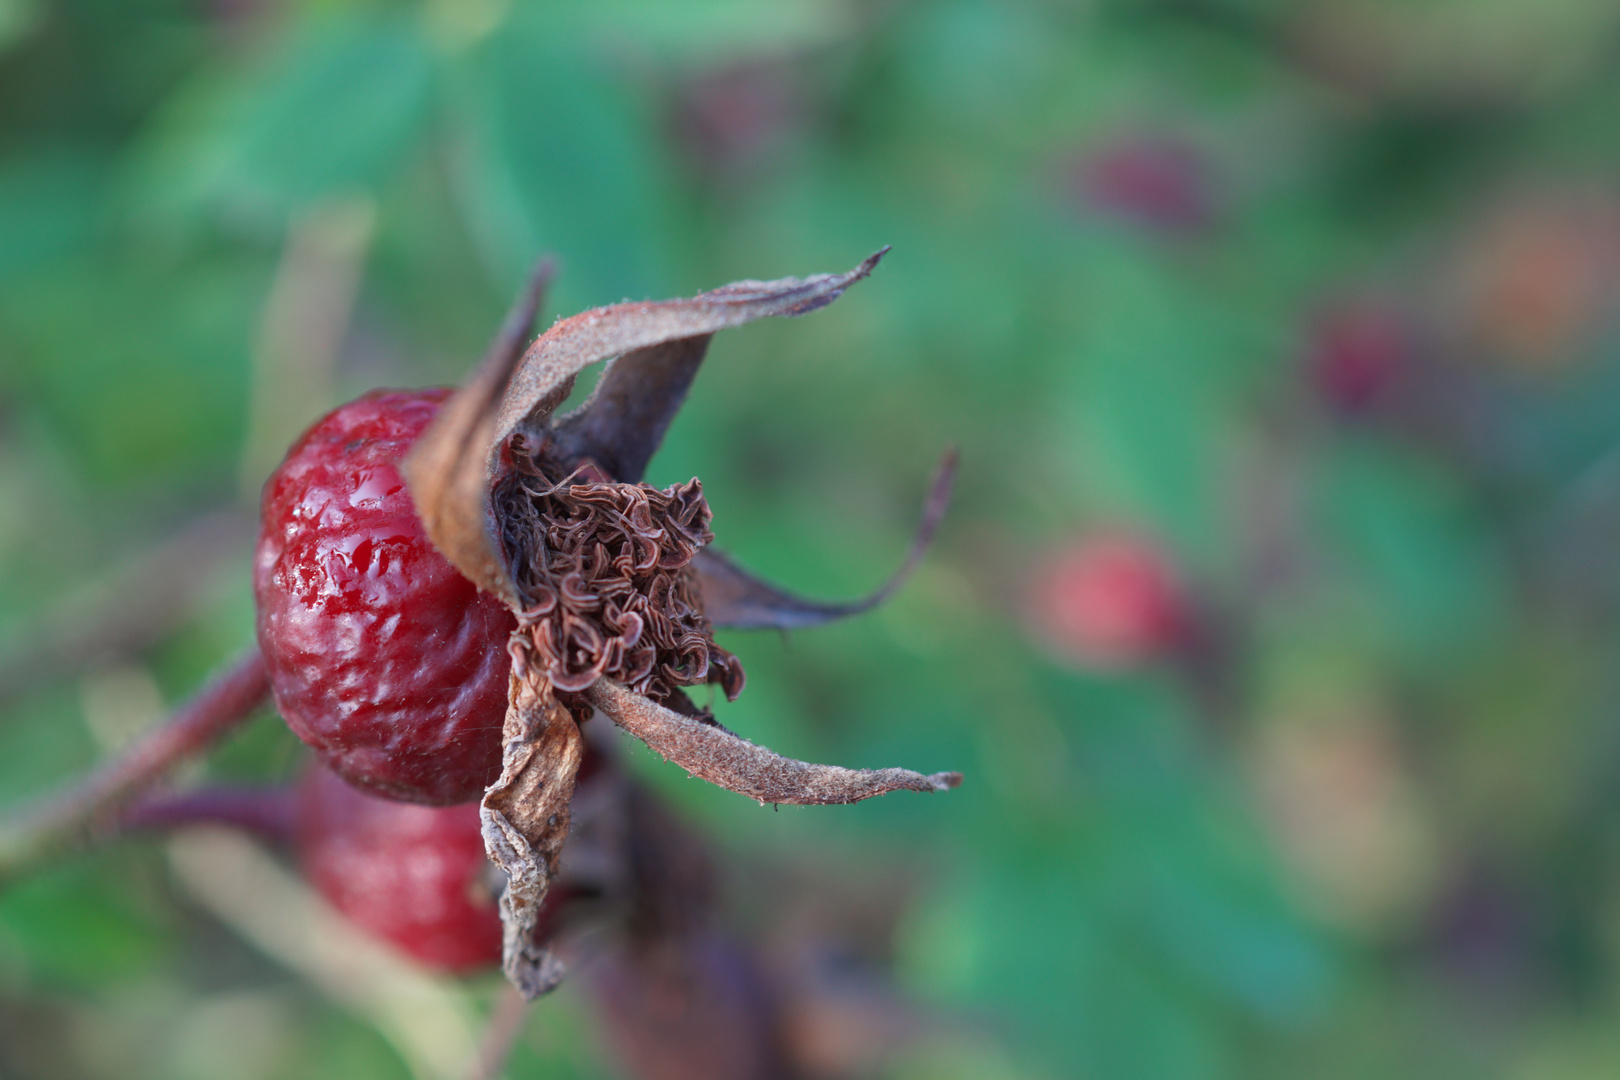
<point x="414" y="876"/>
<point x="1108" y="601"/>
<point x="382" y="657"/>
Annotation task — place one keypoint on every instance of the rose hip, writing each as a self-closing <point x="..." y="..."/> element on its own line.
<point x="1108" y="601"/>
<point x="414" y="876"/>
<point x="382" y="657"/>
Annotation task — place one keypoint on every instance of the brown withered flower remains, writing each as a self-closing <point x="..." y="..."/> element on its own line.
<point x="615" y="588"/>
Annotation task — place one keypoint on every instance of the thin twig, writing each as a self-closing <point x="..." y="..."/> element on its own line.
<point x="269" y="813"/>
<point x="76" y="814"/>
<point x="500" y="1035"/>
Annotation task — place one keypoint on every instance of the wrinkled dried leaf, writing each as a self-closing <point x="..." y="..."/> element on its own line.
<point x="712" y="753"/>
<point x="525" y="815"/>
<point x="735" y="599"/>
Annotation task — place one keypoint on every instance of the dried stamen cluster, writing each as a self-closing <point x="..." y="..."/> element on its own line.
<point x="603" y="571"/>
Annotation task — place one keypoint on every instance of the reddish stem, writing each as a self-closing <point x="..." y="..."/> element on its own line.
<point x="89" y="806"/>
<point x="500" y="1034"/>
<point x="267" y="812"/>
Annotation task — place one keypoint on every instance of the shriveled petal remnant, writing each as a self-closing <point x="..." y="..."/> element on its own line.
<point x="602" y="570"/>
<point x="607" y="576"/>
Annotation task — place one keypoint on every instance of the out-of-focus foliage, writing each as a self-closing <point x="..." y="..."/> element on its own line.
<point x="1319" y="299"/>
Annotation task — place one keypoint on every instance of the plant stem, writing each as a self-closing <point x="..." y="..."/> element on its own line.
<point x="269" y="813"/>
<point x="501" y="1032"/>
<point x="88" y="807"/>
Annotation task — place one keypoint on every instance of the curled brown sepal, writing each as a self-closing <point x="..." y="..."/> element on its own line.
<point x="446" y="469"/>
<point x="457" y="462"/>
<point x="546" y="373"/>
<point x="734" y="599"/>
<point x="711" y="753"/>
<point x="525" y="814"/>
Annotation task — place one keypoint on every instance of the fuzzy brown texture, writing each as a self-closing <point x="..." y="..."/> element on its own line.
<point x="714" y="754"/>
<point x="604" y="574"/>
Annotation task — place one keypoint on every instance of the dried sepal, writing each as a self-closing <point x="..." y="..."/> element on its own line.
<point x="734" y="599"/>
<point x="447" y="469"/>
<point x="710" y="752"/>
<point x="545" y="375"/>
<point x="461" y="458"/>
<point x="525" y="815"/>
<point x="622" y="424"/>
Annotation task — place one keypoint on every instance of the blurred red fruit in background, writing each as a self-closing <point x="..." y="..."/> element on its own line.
<point x="1357" y="350"/>
<point x="1160" y="182"/>
<point x="1108" y="601"/>
<point x="412" y="875"/>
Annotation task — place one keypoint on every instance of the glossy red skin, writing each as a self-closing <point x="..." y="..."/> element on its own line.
<point x="382" y="657"/>
<point x="414" y="876"/>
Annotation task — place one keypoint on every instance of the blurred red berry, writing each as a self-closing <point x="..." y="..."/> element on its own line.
<point x="1108" y="601"/>
<point x="414" y="876"/>
<point x="382" y="657"/>
<point x="1163" y="183"/>
<point x="1356" y="353"/>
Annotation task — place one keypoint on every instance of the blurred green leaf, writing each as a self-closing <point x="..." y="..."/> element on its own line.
<point x="1408" y="535"/>
<point x="333" y="107"/>
<point x="49" y="208"/>
<point x="563" y="161"/>
<point x="138" y="371"/>
<point x="1156" y="375"/>
<point x="73" y="928"/>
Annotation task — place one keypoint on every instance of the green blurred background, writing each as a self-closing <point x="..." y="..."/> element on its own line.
<point x="1274" y="624"/>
